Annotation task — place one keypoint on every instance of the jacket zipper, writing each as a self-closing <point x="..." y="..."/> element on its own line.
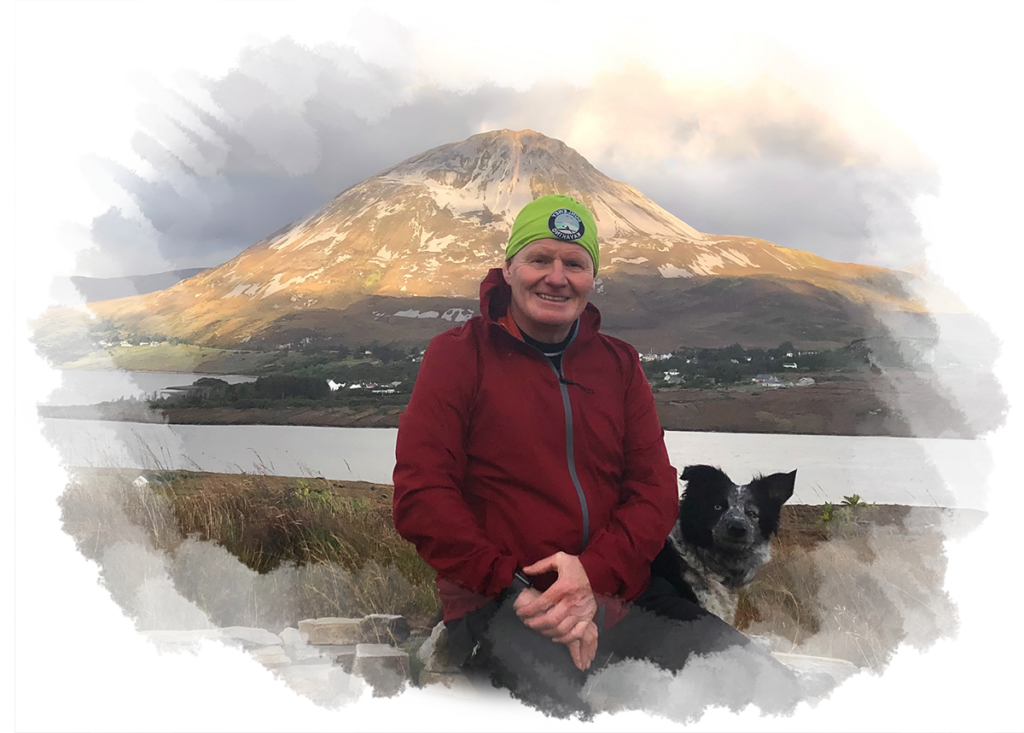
<point x="570" y="454"/>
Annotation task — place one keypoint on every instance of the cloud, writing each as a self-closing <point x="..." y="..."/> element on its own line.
<point x="225" y="161"/>
<point x="158" y="219"/>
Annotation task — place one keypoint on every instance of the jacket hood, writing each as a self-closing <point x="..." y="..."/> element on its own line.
<point x="495" y="295"/>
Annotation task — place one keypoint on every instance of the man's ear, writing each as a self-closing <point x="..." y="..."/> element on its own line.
<point x="505" y="271"/>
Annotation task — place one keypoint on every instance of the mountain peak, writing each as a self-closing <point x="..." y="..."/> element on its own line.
<point x="432" y="225"/>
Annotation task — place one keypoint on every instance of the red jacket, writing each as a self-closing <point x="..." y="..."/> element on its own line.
<point x="491" y="476"/>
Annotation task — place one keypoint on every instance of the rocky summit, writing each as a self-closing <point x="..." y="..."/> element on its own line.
<point x="398" y="258"/>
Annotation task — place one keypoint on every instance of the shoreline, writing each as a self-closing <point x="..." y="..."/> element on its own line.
<point x="893" y="403"/>
<point x="386" y="418"/>
<point x="804" y="513"/>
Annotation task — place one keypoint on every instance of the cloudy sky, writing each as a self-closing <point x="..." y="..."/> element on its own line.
<point x="732" y="131"/>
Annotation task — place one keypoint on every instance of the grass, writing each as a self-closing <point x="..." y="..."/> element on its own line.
<point x="852" y="582"/>
<point x="250" y="549"/>
<point x="268" y="551"/>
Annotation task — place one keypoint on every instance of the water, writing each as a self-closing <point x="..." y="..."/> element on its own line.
<point x="911" y="471"/>
<point x="80" y="387"/>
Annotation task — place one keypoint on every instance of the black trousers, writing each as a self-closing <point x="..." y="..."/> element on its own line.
<point x="661" y="627"/>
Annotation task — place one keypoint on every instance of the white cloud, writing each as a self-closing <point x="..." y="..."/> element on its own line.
<point x="732" y="131"/>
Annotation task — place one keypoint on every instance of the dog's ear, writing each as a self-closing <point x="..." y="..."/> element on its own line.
<point x="778" y="487"/>
<point x="704" y="475"/>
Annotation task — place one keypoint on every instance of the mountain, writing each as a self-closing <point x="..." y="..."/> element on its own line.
<point x="399" y="256"/>
<point x="929" y="269"/>
<point x="95" y="289"/>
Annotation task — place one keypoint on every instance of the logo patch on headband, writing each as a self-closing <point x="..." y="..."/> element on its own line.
<point x="566" y="225"/>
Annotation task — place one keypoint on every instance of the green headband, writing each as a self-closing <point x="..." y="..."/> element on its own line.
<point x="554" y="217"/>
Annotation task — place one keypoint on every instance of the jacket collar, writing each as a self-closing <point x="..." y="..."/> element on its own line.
<point x="495" y="296"/>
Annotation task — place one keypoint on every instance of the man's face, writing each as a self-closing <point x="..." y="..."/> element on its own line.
<point x="551" y="282"/>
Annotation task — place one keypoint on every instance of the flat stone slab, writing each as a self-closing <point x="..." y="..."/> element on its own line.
<point x="172" y="649"/>
<point x="311" y="682"/>
<point x="325" y="654"/>
<point x="332" y="630"/>
<point x="836" y="667"/>
<point x="340" y="701"/>
<point x="456" y="683"/>
<point x="244" y="636"/>
<point x="604" y="705"/>
<point x="383" y="667"/>
<point x="608" y="706"/>
<point x="455" y="706"/>
<point x="271" y="657"/>
<point x="382" y="628"/>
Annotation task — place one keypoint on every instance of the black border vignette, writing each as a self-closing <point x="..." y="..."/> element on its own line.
<point x="82" y="666"/>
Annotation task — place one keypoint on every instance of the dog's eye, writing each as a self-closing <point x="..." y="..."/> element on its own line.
<point x="752" y="513"/>
<point x="718" y="507"/>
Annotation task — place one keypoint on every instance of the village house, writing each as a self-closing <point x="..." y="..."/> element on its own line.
<point x="922" y="360"/>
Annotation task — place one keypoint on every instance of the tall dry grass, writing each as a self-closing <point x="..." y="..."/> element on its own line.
<point x="251" y="549"/>
<point x="268" y="551"/>
<point x="855" y="587"/>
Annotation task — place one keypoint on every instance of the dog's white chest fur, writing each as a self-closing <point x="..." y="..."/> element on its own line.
<point x="709" y="587"/>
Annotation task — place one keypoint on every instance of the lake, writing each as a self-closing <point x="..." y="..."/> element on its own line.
<point x="911" y="471"/>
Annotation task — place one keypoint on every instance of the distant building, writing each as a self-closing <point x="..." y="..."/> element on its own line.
<point x="930" y="360"/>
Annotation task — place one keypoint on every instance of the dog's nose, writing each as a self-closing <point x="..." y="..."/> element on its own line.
<point x="737" y="530"/>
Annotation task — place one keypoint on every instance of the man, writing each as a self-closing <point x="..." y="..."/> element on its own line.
<point x="532" y="476"/>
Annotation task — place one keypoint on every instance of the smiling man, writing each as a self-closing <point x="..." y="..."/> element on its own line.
<point x="532" y="476"/>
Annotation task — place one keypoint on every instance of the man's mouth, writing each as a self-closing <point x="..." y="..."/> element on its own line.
<point x="553" y="298"/>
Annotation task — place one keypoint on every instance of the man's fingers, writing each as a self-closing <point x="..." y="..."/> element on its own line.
<point x="542" y="566"/>
<point x="574" y="632"/>
<point x="574" y="652"/>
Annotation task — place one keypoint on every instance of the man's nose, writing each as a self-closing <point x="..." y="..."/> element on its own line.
<point x="556" y="275"/>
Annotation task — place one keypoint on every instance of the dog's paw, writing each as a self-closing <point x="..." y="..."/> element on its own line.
<point x="816" y="683"/>
<point x="763" y="643"/>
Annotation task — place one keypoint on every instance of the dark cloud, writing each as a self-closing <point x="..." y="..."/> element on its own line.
<point x="226" y="159"/>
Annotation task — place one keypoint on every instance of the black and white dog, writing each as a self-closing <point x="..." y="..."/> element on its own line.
<point x="722" y="537"/>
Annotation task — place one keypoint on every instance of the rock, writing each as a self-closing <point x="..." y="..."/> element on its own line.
<point x="339" y="702"/>
<point x="293" y="637"/>
<point x="456" y="707"/>
<point x="177" y="640"/>
<point x="434" y="652"/>
<point x="383" y="667"/>
<point x="457" y="682"/>
<point x="271" y="657"/>
<point x="171" y="649"/>
<point x="325" y="654"/>
<point x="323" y="683"/>
<point x="326" y="661"/>
<point x="241" y="636"/>
<point x="608" y="706"/>
<point x="332" y="630"/>
<point x="382" y="628"/>
<point x="818" y="676"/>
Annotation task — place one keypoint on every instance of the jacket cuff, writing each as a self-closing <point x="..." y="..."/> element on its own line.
<point x="510" y="594"/>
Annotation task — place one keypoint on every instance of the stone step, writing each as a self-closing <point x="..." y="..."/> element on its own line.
<point x="327" y="660"/>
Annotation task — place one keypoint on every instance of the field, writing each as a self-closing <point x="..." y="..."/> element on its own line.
<point x="195" y="549"/>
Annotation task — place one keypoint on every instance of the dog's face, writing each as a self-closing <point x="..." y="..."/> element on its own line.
<point x="715" y="513"/>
